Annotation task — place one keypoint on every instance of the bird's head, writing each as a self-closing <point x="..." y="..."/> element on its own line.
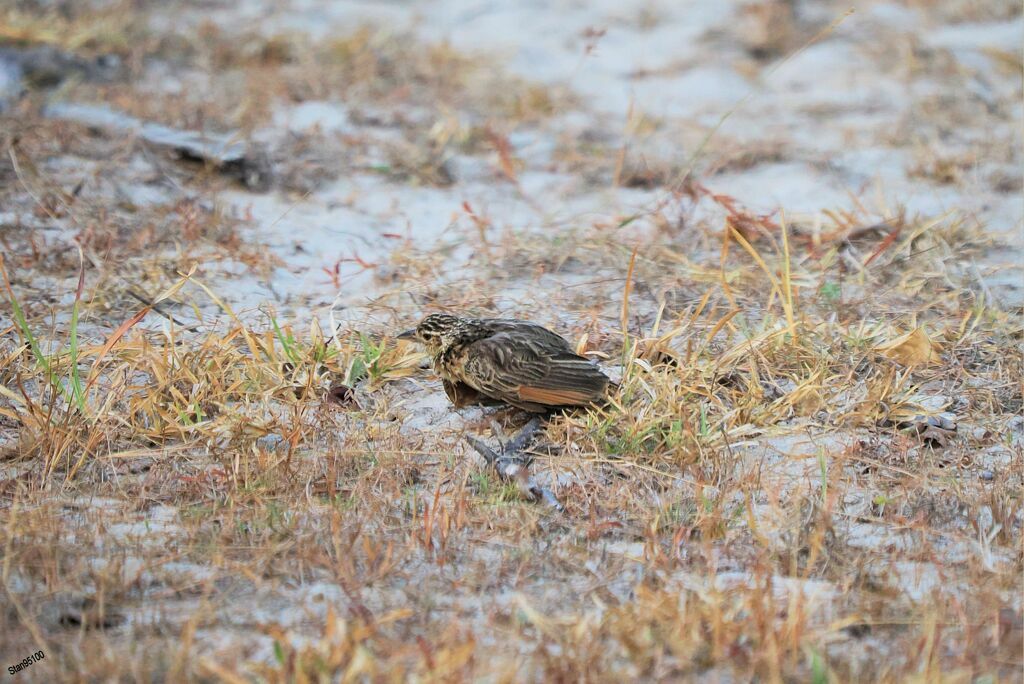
<point x="437" y="332"/>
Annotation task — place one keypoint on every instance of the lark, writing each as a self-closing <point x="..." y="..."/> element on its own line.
<point x="497" y="360"/>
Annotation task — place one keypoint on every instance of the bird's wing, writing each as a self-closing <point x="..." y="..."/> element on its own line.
<point x="518" y="369"/>
<point x="550" y="339"/>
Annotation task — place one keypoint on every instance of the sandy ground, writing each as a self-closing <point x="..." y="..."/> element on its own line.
<point x="765" y="499"/>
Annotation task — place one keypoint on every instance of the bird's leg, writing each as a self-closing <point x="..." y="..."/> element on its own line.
<point x="499" y="435"/>
<point x="489" y="454"/>
<point x="514" y="449"/>
<point x="508" y="467"/>
<point x="511" y="464"/>
<point x="524" y="435"/>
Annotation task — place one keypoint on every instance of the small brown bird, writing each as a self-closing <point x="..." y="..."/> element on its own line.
<point x="496" y="360"/>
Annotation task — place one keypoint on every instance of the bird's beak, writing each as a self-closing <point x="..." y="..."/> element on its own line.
<point x="407" y="335"/>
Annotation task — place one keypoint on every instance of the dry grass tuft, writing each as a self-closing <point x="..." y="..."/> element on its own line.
<point x="811" y="469"/>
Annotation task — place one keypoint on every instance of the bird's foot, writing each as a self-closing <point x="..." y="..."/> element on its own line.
<point x="521" y="439"/>
<point x="512" y="464"/>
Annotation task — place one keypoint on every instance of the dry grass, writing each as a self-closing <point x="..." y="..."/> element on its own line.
<point x="811" y="470"/>
<point x="688" y="476"/>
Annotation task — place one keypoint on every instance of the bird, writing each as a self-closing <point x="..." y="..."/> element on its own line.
<point x="507" y="361"/>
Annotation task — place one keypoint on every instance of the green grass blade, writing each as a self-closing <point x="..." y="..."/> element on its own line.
<point x="76" y="380"/>
<point x="286" y="342"/>
<point x="26" y="333"/>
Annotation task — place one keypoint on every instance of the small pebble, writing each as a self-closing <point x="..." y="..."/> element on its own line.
<point x="987" y="475"/>
<point x="270" y="442"/>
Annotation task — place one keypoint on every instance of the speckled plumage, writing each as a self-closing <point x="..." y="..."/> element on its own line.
<point x="496" y="360"/>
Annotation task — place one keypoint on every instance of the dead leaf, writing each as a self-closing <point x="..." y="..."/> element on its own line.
<point x="749" y="225"/>
<point x="914" y="348"/>
<point x="935" y="431"/>
<point x="504" y="149"/>
<point x="935" y="436"/>
<point x="342" y="395"/>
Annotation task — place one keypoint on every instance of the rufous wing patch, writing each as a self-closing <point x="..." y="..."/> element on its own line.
<point x="552" y="397"/>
